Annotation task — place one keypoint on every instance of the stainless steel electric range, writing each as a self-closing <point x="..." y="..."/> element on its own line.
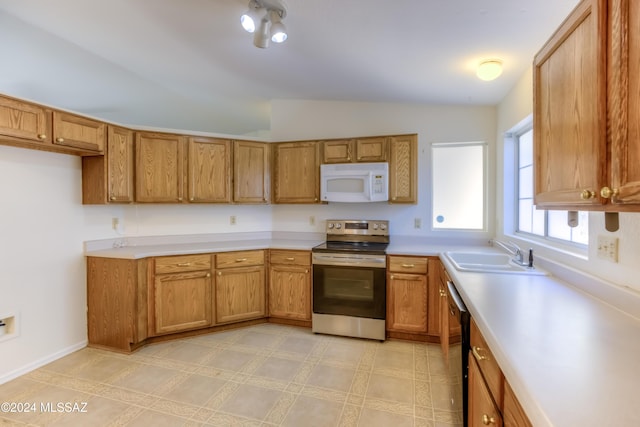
<point x="349" y="279"/>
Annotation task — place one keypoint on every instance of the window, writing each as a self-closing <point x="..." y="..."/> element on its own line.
<point x="459" y="185"/>
<point x="547" y="224"/>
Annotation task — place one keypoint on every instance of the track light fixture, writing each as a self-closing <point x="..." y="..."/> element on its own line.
<point x="264" y="20"/>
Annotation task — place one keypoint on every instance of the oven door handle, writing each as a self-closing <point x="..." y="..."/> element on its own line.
<point x="349" y="261"/>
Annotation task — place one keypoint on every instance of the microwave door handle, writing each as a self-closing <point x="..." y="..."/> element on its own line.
<point x="370" y="185"/>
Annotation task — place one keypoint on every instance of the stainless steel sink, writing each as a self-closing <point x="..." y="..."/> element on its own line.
<point x="488" y="262"/>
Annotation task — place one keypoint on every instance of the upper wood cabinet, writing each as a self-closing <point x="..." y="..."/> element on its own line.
<point x="296" y="175"/>
<point x="78" y="132"/>
<point x="585" y="83"/>
<point x="160" y="160"/>
<point x="251" y="172"/>
<point x="110" y="178"/>
<point x="24" y="122"/>
<point x="403" y="169"/>
<point x="355" y="150"/>
<point x="209" y="170"/>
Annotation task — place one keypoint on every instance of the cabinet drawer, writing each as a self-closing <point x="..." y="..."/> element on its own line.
<point x="290" y="257"/>
<point x="403" y="264"/>
<point x="174" y="264"/>
<point x="487" y="363"/>
<point x="239" y="259"/>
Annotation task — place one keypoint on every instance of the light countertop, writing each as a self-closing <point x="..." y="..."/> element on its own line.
<point x="571" y="359"/>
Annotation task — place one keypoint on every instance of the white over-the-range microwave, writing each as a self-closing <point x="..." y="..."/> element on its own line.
<point x="354" y="182"/>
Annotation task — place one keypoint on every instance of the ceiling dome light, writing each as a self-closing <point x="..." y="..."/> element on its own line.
<point x="264" y="19"/>
<point x="489" y="70"/>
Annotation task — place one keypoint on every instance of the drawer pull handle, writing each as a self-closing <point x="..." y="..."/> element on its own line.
<point x="241" y="259"/>
<point x="477" y="355"/>
<point x="408" y="265"/>
<point x="487" y="420"/>
<point x="290" y="258"/>
<point x="184" y="264"/>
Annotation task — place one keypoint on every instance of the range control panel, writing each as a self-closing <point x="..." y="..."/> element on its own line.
<point x="361" y="227"/>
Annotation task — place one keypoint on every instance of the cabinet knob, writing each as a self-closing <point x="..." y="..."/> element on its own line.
<point x="42" y="136"/>
<point x="306" y="271"/>
<point x="487" y="420"/>
<point x="59" y="139"/>
<point x="191" y="199"/>
<point x="587" y="194"/>
<point x="606" y="192"/>
<point x="219" y="273"/>
<point x="179" y="199"/>
<point x="112" y="198"/>
<point x="208" y="275"/>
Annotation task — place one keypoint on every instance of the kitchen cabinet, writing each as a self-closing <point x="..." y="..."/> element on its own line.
<point x="296" y="172"/>
<point x="403" y="169"/>
<point x="110" y="178"/>
<point x="209" y="170"/>
<point x="450" y="329"/>
<point x="240" y="287"/>
<point x="372" y="149"/>
<point x="407" y="296"/>
<point x="586" y="110"/>
<point x="251" y="172"/>
<point x="160" y="160"/>
<point x="290" y="284"/>
<point x="70" y="130"/>
<point x="117" y="303"/>
<point x="24" y="123"/>
<point x="483" y="410"/>
<point x="181" y="297"/>
<point x="512" y="413"/>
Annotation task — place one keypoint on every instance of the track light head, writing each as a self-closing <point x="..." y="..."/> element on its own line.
<point x="264" y="19"/>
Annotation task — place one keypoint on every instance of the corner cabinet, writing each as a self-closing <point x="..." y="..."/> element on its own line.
<point x="403" y="169"/>
<point x="251" y="172"/>
<point x="240" y="286"/>
<point x="296" y="172"/>
<point x="110" y="178"/>
<point x="586" y="110"/>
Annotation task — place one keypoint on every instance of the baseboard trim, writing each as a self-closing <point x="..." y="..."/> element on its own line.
<point x="41" y="362"/>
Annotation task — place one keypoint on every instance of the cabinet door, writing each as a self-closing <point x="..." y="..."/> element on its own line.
<point x="407" y="302"/>
<point x="625" y="124"/>
<point x="109" y="178"/>
<point x="512" y="412"/>
<point x="182" y="301"/>
<point x="290" y="292"/>
<point x="338" y="151"/>
<point x="403" y="169"/>
<point x="159" y="168"/>
<point x="569" y="120"/>
<point x="482" y="409"/>
<point x="434" y="298"/>
<point x="371" y="149"/>
<point x="74" y="131"/>
<point x="250" y="172"/>
<point x="24" y="121"/>
<point x="296" y="173"/>
<point x="240" y="294"/>
<point x="209" y="170"/>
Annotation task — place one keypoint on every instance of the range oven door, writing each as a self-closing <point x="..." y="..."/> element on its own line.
<point x="349" y="285"/>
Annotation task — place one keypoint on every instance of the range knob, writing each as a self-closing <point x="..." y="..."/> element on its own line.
<point x="330" y="225"/>
<point x="338" y="226"/>
<point x="383" y="227"/>
<point x="375" y="225"/>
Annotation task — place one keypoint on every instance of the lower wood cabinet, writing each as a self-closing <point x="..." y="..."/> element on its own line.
<point x="512" y="413"/>
<point x="240" y="286"/>
<point x="290" y="285"/>
<point x="181" y="297"/>
<point x="483" y="411"/>
<point x="407" y="294"/>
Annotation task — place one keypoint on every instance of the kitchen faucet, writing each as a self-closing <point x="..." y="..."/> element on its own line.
<point x="518" y="254"/>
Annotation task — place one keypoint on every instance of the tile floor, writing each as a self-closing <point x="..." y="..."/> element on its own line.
<point x="263" y="375"/>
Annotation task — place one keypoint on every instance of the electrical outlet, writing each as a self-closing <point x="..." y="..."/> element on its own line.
<point x="608" y="248"/>
<point x="115" y="222"/>
<point x="417" y="223"/>
<point x="312" y="220"/>
<point x="232" y="220"/>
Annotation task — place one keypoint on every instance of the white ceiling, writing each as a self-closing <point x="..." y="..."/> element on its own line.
<point x="187" y="64"/>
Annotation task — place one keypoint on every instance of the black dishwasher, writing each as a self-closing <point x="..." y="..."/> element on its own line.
<point x="459" y="311"/>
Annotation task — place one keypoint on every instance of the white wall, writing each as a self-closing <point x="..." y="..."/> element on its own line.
<point x="516" y="106"/>
<point x="295" y="119"/>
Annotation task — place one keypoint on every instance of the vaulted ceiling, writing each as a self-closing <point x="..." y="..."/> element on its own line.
<point x="188" y="64"/>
